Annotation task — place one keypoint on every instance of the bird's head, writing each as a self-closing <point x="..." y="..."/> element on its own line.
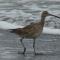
<point x="46" y="13"/>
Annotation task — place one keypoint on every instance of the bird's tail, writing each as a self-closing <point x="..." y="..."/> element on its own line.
<point x="12" y="30"/>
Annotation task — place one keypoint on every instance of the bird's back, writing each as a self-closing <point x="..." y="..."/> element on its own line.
<point x="30" y="31"/>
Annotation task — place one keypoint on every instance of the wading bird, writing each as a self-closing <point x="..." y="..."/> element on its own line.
<point x="33" y="30"/>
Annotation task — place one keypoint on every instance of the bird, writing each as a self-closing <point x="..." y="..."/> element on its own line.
<point x="32" y="31"/>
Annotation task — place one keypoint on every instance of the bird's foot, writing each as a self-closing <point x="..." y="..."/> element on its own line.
<point x="22" y="52"/>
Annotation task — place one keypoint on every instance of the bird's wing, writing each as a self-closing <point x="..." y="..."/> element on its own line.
<point x="5" y="25"/>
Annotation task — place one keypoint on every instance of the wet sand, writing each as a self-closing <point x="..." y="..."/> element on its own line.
<point x="48" y="45"/>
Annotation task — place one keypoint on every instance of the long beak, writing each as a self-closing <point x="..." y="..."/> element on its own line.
<point x="54" y="16"/>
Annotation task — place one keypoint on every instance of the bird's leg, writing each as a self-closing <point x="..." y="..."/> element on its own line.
<point x="34" y="45"/>
<point x="23" y="45"/>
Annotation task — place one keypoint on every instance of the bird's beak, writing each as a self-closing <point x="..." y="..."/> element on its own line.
<point x="54" y="16"/>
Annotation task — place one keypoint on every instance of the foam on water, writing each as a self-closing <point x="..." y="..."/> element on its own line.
<point x="51" y="31"/>
<point x="30" y="5"/>
<point x="6" y="25"/>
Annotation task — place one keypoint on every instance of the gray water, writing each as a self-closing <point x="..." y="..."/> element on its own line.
<point x="48" y="45"/>
<point x="24" y="12"/>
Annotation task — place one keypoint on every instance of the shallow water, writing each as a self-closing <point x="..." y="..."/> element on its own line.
<point x="23" y="12"/>
<point x="47" y="46"/>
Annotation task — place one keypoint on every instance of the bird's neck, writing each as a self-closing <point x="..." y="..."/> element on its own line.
<point x="42" y="20"/>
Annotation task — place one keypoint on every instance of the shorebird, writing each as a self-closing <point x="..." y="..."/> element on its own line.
<point x="33" y="30"/>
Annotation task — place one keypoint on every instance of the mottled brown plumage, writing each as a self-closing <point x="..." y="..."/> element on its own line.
<point x="30" y="31"/>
